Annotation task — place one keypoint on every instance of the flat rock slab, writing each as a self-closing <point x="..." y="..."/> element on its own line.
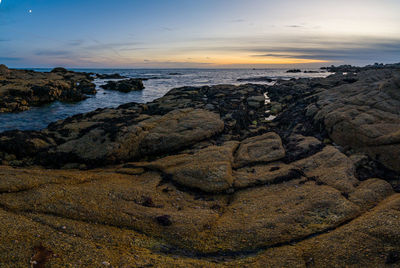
<point x="157" y="134"/>
<point x="272" y="173"/>
<point x="259" y="149"/>
<point x="209" y="169"/>
<point x="120" y="205"/>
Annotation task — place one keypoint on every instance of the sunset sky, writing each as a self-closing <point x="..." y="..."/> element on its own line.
<point x="205" y="34"/>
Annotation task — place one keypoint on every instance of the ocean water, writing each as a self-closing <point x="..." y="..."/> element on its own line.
<point x="39" y="117"/>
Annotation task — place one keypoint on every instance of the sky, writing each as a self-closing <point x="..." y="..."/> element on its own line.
<point x="198" y="33"/>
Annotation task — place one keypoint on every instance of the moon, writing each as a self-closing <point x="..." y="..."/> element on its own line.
<point x="30" y="10"/>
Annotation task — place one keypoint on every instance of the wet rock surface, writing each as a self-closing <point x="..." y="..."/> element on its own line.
<point x="22" y="89"/>
<point x="200" y="178"/>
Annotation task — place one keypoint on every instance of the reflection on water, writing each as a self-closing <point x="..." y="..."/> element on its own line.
<point x="40" y="117"/>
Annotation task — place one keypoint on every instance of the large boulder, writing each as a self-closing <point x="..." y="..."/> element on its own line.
<point x="365" y="115"/>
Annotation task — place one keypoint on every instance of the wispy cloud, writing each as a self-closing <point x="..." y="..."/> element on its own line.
<point x="332" y="51"/>
<point x="294" y="26"/>
<point x="52" y="53"/>
<point x="313" y="47"/>
<point x="102" y="46"/>
<point x="10" y="59"/>
<point x="173" y="64"/>
<point x="168" y="29"/>
<point x="76" y="42"/>
<point x="238" y="21"/>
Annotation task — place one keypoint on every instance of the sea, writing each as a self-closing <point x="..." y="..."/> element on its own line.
<point x="160" y="82"/>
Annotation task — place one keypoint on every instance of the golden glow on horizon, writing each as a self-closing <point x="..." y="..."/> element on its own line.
<point x="249" y="61"/>
<point x="216" y="59"/>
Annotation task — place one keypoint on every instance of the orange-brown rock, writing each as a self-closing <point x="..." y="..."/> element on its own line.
<point x="91" y="217"/>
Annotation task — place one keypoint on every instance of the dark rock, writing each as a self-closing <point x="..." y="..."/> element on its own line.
<point x="87" y="87"/>
<point x="164" y="220"/>
<point x="40" y="256"/>
<point x="110" y="76"/>
<point x="356" y="69"/>
<point x="393" y="257"/>
<point x="124" y="85"/>
<point x="294" y="71"/>
<point x="148" y="202"/>
<point x="59" y="70"/>
<point x="256" y="79"/>
<point x="174" y="74"/>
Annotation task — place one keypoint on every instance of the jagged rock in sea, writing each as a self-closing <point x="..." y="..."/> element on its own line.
<point x="200" y="178"/>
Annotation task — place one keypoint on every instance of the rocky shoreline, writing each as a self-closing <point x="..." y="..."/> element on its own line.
<point x="22" y="89"/>
<point x="200" y="178"/>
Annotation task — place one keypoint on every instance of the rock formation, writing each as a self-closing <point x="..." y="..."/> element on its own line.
<point x="124" y="85"/>
<point x="294" y="71"/>
<point x="22" y="89"/>
<point x="199" y="178"/>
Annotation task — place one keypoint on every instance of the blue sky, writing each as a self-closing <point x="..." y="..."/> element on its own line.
<point x="189" y="33"/>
